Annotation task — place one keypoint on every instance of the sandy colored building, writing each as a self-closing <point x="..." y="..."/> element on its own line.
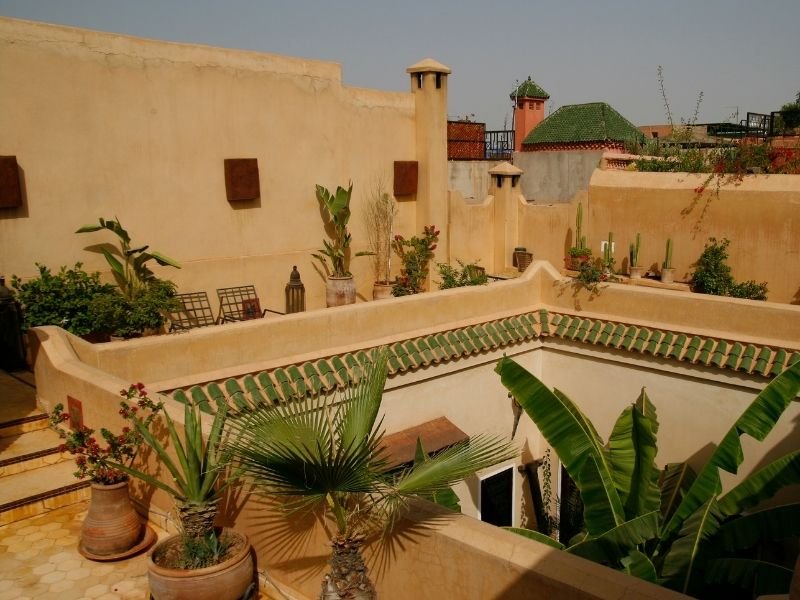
<point x="108" y="125"/>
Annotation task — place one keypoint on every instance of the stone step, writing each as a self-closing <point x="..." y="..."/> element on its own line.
<point x="30" y="450"/>
<point x="37" y="491"/>
<point x="15" y="427"/>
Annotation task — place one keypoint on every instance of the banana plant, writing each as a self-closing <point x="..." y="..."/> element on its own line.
<point x="132" y="273"/>
<point x="335" y="209"/>
<point x="685" y="535"/>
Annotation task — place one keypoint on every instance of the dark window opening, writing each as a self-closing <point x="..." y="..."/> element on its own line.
<point x="570" y="509"/>
<point x="497" y="498"/>
<point x="419" y="80"/>
<point x="438" y="81"/>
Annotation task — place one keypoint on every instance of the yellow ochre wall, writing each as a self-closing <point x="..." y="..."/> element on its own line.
<point x="105" y="125"/>
<point x="760" y="215"/>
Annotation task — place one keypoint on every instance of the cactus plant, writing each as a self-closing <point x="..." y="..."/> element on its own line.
<point x="608" y="253"/>
<point x="579" y="237"/>
<point x="668" y="258"/>
<point x="634" y="250"/>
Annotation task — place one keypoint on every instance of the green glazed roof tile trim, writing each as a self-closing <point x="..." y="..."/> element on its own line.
<point x="719" y="354"/>
<point x="652" y="343"/>
<point x="747" y="358"/>
<point x="591" y="122"/>
<point x="733" y="357"/>
<point x="529" y="89"/>
<point x="326" y="374"/>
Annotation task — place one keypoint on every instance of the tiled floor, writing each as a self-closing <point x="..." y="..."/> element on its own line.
<point x="39" y="560"/>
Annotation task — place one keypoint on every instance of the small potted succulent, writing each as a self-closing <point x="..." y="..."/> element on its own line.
<point x="202" y="562"/>
<point x="112" y="529"/>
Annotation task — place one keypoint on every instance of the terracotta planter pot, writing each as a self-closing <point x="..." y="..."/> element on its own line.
<point x="573" y="263"/>
<point x="111" y="527"/>
<point x="636" y="272"/>
<point x="667" y="275"/>
<point x="340" y="291"/>
<point x="229" y="580"/>
<point x="381" y="291"/>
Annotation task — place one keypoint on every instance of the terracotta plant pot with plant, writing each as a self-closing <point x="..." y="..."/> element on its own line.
<point x="334" y="256"/>
<point x="579" y="254"/>
<point x="202" y="562"/>
<point x="112" y="529"/>
<point x="415" y="254"/>
<point x="379" y="214"/>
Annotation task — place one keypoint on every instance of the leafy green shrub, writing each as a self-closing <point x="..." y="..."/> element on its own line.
<point x="64" y="298"/>
<point x="120" y="316"/>
<point x="712" y="274"/>
<point x="415" y="254"/>
<point x="453" y="277"/>
<point x="749" y="289"/>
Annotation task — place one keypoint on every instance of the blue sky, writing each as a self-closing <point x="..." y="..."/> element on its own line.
<point x="742" y="54"/>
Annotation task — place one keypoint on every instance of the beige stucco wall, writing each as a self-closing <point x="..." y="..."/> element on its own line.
<point x="471" y="235"/>
<point x="760" y="215"/>
<point x="104" y="125"/>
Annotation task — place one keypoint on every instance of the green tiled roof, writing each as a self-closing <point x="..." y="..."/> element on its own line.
<point x="593" y="122"/>
<point x="336" y="372"/>
<point x="529" y="89"/>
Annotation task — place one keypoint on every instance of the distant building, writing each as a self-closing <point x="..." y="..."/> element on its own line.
<point x="529" y="104"/>
<point x="592" y="126"/>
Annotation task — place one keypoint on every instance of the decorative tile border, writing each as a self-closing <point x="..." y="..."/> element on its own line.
<point x="328" y="374"/>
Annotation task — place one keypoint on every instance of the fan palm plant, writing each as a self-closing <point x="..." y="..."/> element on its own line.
<point x="683" y="534"/>
<point x="325" y="452"/>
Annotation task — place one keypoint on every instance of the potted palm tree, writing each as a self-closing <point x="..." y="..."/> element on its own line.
<point x="334" y="256"/>
<point x="201" y="562"/>
<point x="324" y="453"/>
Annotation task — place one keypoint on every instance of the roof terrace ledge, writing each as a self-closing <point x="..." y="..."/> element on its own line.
<point x="225" y="348"/>
<point x="237" y="349"/>
<point x="731" y="319"/>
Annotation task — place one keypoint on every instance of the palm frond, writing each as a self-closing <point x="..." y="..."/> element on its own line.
<point x="574" y="439"/>
<point x="536" y="536"/>
<point x="617" y="543"/>
<point x="685" y="560"/>
<point x="762" y="577"/>
<point x="631" y="452"/>
<point x="762" y="484"/>
<point x="454" y="464"/>
<point x="676" y="479"/>
<point x="770" y="524"/>
<point x="757" y="421"/>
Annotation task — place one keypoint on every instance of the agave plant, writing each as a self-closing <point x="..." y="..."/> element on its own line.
<point x="133" y="274"/>
<point x="325" y="453"/>
<point x="198" y="468"/>
<point x="686" y="535"/>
